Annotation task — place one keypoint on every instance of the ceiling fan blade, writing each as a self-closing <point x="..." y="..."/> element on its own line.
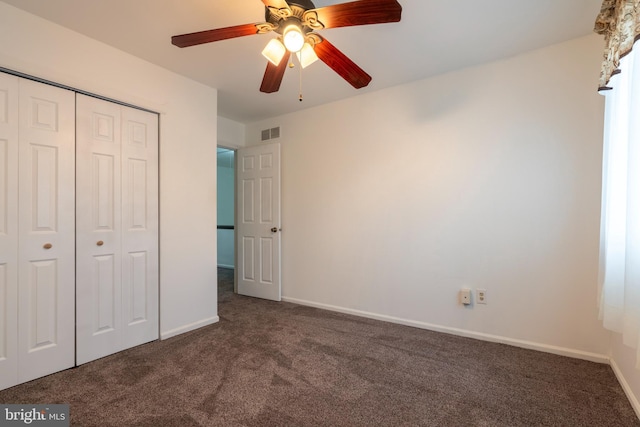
<point x="192" y="39"/>
<point x="273" y="75"/>
<point x="341" y="64"/>
<point x="362" y="12"/>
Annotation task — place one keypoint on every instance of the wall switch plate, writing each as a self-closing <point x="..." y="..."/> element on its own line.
<point x="481" y="296"/>
<point x="465" y="296"/>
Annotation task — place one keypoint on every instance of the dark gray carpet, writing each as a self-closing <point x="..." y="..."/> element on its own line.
<point x="280" y="364"/>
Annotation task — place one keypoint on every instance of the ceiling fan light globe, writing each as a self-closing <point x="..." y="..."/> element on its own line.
<point x="307" y="55"/>
<point x="293" y="38"/>
<point x="274" y="51"/>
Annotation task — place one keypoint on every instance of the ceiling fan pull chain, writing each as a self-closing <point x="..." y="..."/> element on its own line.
<point x="300" y="67"/>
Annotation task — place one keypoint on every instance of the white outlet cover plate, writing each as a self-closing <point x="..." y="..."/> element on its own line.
<point x="481" y="296"/>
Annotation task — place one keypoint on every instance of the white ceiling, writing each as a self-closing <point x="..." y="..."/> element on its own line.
<point x="433" y="37"/>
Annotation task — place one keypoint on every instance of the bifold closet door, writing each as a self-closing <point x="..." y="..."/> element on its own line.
<point x="8" y="230"/>
<point x="37" y="269"/>
<point x="46" y="203"/>
<point x="116" y="228"/>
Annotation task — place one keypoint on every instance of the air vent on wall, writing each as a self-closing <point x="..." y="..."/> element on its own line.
<point x="272" y="133"/>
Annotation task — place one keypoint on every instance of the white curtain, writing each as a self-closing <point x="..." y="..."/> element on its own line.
<point x="620" y="228"/>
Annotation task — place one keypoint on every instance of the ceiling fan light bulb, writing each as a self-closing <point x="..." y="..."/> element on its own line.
<point x="293" y="38"/>
<point x="274" y="51"/>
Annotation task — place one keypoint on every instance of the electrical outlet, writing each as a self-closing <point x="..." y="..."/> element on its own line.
<point x="481" y="296"/>
<point x="465" y="296"/>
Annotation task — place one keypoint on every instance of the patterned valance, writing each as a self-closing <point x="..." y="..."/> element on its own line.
<point x="619" y="23"/>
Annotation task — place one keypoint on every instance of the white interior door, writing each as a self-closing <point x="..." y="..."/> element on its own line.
<point x="117" y="228"/>
<point x="8" y="230"/>
<point x="258" y="224"/>
<point x="46" y="227"/>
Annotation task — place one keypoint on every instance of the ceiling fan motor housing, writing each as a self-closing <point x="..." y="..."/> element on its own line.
<point x="297" y="9"/>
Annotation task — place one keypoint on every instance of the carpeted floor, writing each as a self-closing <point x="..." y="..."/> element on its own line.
<point x="280" y="364"/>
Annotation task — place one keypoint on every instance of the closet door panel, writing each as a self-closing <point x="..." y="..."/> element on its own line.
<point x="98" y="225"/>
<point x="41" y="290"/>
<point x="8" y="230"/>
<point x="46" y="228"/>
<point x="140" y="226"/>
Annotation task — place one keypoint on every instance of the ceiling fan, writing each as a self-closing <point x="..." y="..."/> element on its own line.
<point x="296" y="22"/>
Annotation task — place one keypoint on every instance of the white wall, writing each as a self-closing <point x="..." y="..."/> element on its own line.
<point x="188" y="280"/>
<point x="231" y="134"/>
<point x="488" y="177"/>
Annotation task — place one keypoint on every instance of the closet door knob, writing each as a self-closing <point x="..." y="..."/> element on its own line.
<point x="47" y="246"/>
<point x="100" y="243"/>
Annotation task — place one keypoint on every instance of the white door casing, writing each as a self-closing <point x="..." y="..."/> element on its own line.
<point x="259" y="223"/>
<point x="8" y="230"/>
<point x="46" y="174"/>
<point x="117" y="228"/>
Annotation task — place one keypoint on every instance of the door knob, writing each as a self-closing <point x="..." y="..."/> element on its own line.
<point x="99" y="243"/>
<point x="274" y="230"/>
<point x="47" y="246"/>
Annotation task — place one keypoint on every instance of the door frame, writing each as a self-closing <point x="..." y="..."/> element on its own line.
<point x="235" y="149"/>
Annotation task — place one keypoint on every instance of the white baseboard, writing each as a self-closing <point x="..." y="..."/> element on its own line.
<point x="562" y="351"/>
<point x="231" y="267"/>
<point x="189" y="327"/>
<point x="625" y="386"/>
